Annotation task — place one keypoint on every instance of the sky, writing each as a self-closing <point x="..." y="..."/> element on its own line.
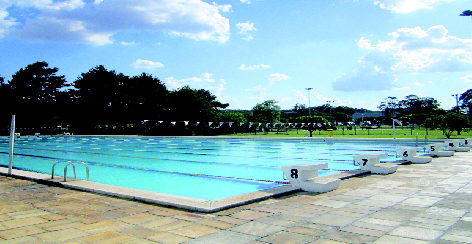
<point x="352" y="53"/>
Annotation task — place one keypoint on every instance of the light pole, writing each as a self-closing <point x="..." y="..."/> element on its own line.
<point x="457" y="102"/>
<point x="309" y="108"/>
<point x="466" y="13"/>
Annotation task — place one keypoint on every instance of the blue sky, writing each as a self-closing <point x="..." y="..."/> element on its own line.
<point x="353" y="52"/>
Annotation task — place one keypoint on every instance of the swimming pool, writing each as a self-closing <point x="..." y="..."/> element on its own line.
<point x="204" y="168"/>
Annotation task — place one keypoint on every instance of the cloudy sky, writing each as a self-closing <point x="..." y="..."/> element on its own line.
<point x="353" y="52"/>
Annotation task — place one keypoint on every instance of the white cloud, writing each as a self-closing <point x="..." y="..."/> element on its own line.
<point x="339" y="102"/>
<point x="401" y="88"/>
<point x="417" y="50"/>
<point x="407" y="6"/>
<point x="295" y="95"/>
<point x="218" y="88"/>
<point x="223" y="8"/>
<point x="129" y="43"/>
<point x="418" y="84"/>
<point x="299" y="94"/>
<point x="66" y="5"/>
<point x="245" y="28"/>
<point x="204" y="81"/>
<point x="253" y="67"/>
<point x="5" y="22"/>
<point x="277" y="77"/>
<point x="467" y="78"/>
<point x="96" y="22"/>
<point x="248" y="38"/>
<point x="409" y="50"/>
<point x="257" y="92"/>
<point x="146" y="64"/>
<point x="246" y="1"/>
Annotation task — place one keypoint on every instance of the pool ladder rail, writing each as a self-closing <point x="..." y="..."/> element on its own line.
<point x="73" y="168"/>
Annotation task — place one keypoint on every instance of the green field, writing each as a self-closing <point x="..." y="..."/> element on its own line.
<point x="387" y="132"/>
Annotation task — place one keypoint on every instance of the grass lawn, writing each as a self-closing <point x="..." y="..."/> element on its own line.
<point x="387" y="132"/>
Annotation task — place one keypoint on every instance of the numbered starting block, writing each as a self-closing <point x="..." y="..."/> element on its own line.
<point x="305" y="177"/>
<point x="467" y="142"/>
<point x="371" y="162"/>
<point x="409" y="155"/>
<point x="455" y="146"/>
<point x="436" y="150"/>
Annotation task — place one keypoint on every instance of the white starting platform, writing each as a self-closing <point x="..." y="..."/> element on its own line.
<point x="305" y="177"/>
<point x="436" y="150"/>
<point x="371" y="162"/>
<point x="409" y="155"/>
<point x="467" y="142"/>
<point x="455" y="145"/>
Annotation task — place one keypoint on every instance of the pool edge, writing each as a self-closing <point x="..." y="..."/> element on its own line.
<point x="163" y="199"/>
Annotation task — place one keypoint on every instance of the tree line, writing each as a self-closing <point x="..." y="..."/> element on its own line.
<point x="104" y="101"/>
<point x="426" y="111"/>
<point x="99" y="99"/>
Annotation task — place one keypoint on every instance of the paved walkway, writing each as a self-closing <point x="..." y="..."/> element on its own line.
<point x="429" y="203"/>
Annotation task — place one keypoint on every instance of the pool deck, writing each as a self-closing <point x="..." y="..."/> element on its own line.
<point x="423" y="203"/>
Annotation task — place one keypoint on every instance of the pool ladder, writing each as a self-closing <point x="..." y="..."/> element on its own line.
<point x="73" y="168"/>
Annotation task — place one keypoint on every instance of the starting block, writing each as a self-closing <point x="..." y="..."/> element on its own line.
<point x="455" y="146"/>
<point x="305" y="177"/>
<point x="409" y="155"/>
<point x="467" y="142"/>
<point x="371" y="162"/>
<point x="436" y="150"/>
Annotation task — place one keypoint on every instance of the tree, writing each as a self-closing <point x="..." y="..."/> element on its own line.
<point x="230" y="116"/>
<point x="447" y="123"/>
<point x="187" y="104"/>
<point x="35" y="95"/>
<point x="5" y="95"/>
<point x="300" y="109"/>
<point x="143" y="97"/>
<point x="266" y="112"/>
<point x="412" y="104"/>
<point x="36" y="87"/>
<point x="5" y="92"/>
<point x="466" y="101"/>
<point x="389" y="107"/>
<point x="96" y="98"/>
<point x="343" y="113"/>
<point x="413" y="108"/>
<point x="98" y="88"/>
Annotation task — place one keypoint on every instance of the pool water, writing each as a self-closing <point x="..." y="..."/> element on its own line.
<point x="204" y="168"/>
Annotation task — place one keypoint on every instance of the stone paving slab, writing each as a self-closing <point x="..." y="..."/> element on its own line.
<point x="429" y="203"/>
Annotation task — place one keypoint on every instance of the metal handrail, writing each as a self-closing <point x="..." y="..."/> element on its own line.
<point x="73" y="168"/>
<point x="54" y="165"/>
<point x="65" y="171"/>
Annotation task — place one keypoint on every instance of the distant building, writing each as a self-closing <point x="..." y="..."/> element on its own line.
<point x="371" y="114"/>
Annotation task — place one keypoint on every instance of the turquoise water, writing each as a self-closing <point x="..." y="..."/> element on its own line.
<point x="200" y="168"/>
